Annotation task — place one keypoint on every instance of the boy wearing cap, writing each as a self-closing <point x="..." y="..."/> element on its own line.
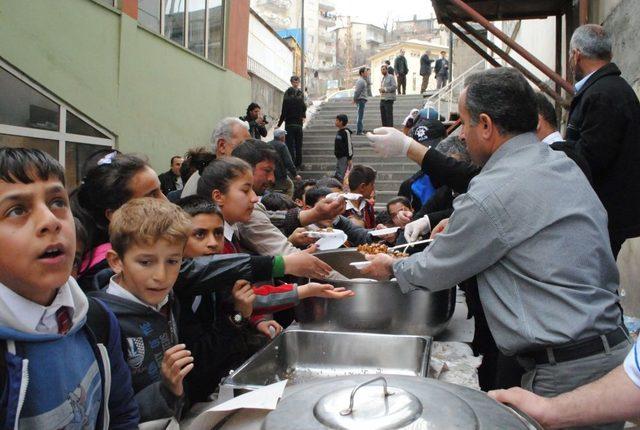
<point x="284" y="164"/>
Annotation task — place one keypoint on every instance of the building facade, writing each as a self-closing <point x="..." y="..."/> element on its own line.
<point x="413" y="50"/>
<point x="84" y="75"/>
<point x="270" y="62"/>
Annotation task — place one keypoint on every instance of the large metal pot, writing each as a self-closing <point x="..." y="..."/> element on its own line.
<point x="378" y="307"/>
<point x="384" y="402"/>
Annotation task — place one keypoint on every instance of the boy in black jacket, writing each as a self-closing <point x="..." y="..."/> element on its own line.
<point x="343" y="148"/>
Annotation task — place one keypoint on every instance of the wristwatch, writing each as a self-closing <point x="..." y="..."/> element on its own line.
<point x="237" y="318"/>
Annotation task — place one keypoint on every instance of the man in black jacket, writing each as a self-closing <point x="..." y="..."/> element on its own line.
<point x="171" y="180"/>
<point x="294" y="111"/>
<point x="425" y="71"/>
<point x="442" y="69"/>
<point x="401" y="69"/>
<point x="604" y="128"/>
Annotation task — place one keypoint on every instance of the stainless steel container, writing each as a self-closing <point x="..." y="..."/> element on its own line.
<point x="301" y="356"/>
<point x="378" y="307"/>
<point x="382" y="402"/>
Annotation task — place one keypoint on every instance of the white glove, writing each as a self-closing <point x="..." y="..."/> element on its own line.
<point x="414" y="229"/>
<point x="389" y="142"/>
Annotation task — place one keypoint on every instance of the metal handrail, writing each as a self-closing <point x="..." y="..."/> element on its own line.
<point x="436" y="99"/>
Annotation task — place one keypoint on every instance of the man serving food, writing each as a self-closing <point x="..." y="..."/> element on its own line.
<point x="533" y="232"/>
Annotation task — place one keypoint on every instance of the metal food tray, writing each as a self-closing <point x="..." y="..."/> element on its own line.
<point x="305" y="355"/>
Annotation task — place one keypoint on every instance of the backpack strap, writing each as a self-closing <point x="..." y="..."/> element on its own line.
<point x="98" y="321"/>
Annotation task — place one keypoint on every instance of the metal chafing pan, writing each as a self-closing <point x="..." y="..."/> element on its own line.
<point x="301" y="356"/>
<point x="378" y="307"/>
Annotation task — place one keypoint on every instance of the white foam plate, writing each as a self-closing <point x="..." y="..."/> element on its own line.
<point x="360" y="264"/>
<point x="383" y="231"/>
<point x="330" y="239"/>
<point x="347" y="196"/>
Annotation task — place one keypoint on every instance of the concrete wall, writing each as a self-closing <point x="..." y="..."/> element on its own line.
<point x="157" y="98"/>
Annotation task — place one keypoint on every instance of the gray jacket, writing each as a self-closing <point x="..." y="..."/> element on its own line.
<point x="361" y="90"/>
<point x="389" y="86"/>
<point x="533" y="231"/>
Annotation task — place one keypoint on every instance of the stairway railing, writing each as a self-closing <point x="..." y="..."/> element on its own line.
<point x="451" y="90"/>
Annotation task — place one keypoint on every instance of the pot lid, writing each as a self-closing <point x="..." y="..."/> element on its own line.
<point x="360" y="402"/>
<point x="376" y="407"/>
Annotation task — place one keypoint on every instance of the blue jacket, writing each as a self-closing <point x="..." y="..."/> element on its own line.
<point x="80" y="373"/>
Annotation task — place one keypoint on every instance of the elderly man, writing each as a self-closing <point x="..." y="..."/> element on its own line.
<point x="604" y="127"/>
<point x="533" y="232"/>
<point x="284" y="164"/>
<point x="401" y="69"/>
<point x="229" y="133"/>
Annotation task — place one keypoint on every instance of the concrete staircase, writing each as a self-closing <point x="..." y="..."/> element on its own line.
<point x="318" y="159"/>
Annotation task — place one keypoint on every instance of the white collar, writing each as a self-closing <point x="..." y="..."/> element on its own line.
<point x="583" y="81"/>
<point x="361" y="205"/>
<point x="26" y="316"/>
<point x="117" y="290"/>
<point x="553" y="137"/>
<point x="229" y="231"/>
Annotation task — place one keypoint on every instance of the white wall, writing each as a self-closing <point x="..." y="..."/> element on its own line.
<point x="269" y="57"/>
<point x="538" y="36"/>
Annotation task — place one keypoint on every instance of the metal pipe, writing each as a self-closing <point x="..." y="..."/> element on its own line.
<point x="558" y="64"/>
<point x="515" y="46"/>
<point x="544" y="87"/>
<point x="466" y="39"/>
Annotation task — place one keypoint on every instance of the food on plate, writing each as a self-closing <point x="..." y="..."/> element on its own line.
<point x="379" y="248"/>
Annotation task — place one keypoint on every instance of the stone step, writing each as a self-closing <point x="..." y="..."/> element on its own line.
<point x="381" y="176"/>
<point x="358" y="158"/>
<point x="380" y="167"/>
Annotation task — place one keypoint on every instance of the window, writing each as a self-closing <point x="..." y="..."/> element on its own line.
<point x="174" y="20"/>
<point x="46" y="145"/>
<point x="21" y="105"/>
<point x="215" y="27"/>
<point x="31" y="118"/>
<point x="149" y="14"/>
<point x="197" y="20"/>
<point x="195" y="24"/>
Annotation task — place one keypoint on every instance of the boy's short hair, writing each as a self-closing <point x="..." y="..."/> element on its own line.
<point x="277" y="202"/>
<point x="361" y="174"/>
<point x="196" y="205"/>
<point x="146" y="220"/>
<point x="343" y="119"/>
<point x="329" y="182"/>
<point x="313" y="195"/>
<point x="400" y="199"/>
<point x="28" y="165"/>
<point x="299" y="189"/>
<point x="362" y="70"/>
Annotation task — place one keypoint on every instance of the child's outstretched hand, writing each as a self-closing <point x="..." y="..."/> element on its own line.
<point x="269" y="328"/>
<point x="243" y="297"/>
<point x="327" y="291"/>
<point x="176" y="364"/>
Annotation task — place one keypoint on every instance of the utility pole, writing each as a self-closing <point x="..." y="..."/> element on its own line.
<point x="349" y="43"/>
<point x="302" y="79"/>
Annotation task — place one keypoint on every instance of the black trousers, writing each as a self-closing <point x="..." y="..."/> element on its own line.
<point x="386" y="112"/>
<point x="497" y="370"/>
<point x="402" y="84"/>
<point x="294" y="143"/>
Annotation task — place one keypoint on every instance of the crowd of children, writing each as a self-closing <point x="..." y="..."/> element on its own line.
<point x="156" y="301"/>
